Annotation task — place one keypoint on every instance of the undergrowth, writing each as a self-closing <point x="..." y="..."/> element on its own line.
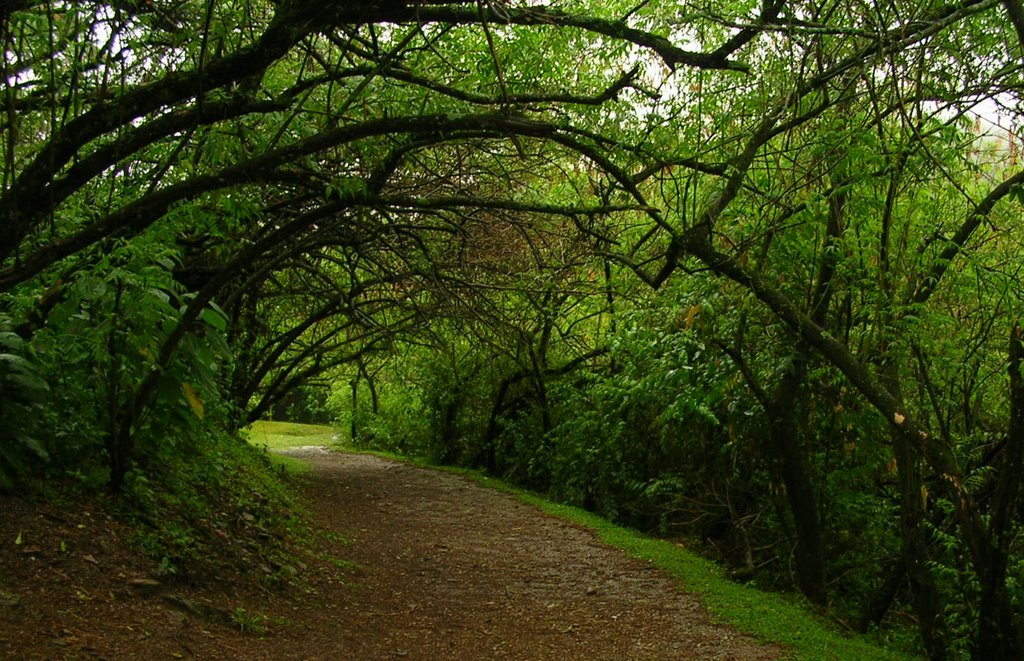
<point x="221" y="503"/>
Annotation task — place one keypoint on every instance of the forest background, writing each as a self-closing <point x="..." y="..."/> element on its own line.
<point x="742" y="272"/>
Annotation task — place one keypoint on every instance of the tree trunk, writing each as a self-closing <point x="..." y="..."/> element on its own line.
<point x="788" y="455"/>
<point x="489" y="460"/>
<point x="787" y="448"/>
<point x="353" y="426"/>
<point x="924" y="592"/>
<point x="998" y="635"/>
<point x="788" y="462"/>
<point x="119" y="438"/>
<point x="876" y="608"/>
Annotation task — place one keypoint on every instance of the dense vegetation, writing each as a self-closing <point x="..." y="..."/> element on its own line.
<point x="741" y="271"/>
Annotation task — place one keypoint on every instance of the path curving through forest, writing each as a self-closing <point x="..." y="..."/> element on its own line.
<point x="410" y="563"/>
<point x="454" y="570"/>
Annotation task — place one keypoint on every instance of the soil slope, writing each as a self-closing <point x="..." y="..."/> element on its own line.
<point x="443" y="569"/>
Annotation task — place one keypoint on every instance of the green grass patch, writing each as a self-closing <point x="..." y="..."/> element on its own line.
<point x="286" y="464"/>
<point x="278" y="436"/>
<point x="284" y="435"/>
<point x="771" y="617"/>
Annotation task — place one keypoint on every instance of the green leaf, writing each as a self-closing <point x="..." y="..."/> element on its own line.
<point x="166" y="262"/>
<point x="346" y="188"/>
<point x="10" y="340"/>
<point x="215" y="318"/>
<point x="33" y="444"/>
<point x="91" y="289"/>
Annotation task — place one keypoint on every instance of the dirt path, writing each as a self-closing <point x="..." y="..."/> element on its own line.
<point x="445" y="569"/>
<point x="457" y="571"/>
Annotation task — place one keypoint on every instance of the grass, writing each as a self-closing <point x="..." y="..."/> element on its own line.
<point x="284" y="435"/>
<point x="277" y="436"/>
<point x="248" y="622"/>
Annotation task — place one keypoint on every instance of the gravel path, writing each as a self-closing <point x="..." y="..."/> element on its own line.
<point x="452" y="570"/>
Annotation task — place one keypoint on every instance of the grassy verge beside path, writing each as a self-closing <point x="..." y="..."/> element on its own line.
<point x="766" y="615"/>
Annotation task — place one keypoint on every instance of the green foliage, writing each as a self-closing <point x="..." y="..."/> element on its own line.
<point x="249" y="622"/>
<point x="400" y="424"/>
<point x="304" y="405"/>
<point x="23" y="395"/>
<point x="103" y="337"/>
<point x="629" y="435"/>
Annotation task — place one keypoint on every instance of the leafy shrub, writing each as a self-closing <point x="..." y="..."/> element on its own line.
<point x="102" y="336"/>
<point x="23" y="392"/>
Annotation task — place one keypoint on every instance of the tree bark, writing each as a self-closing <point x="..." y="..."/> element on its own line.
<point x="924" y="591"/>
<point x="353" y="426"/>
<point x="999" y="636"/>
<point x="790" y="457"/>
